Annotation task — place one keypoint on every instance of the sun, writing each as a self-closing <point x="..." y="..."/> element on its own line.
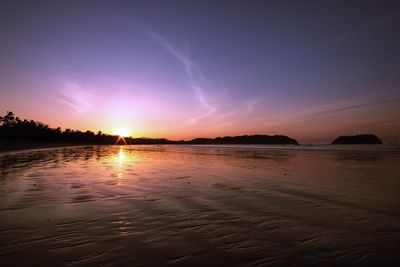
<point x="122" y="132"/>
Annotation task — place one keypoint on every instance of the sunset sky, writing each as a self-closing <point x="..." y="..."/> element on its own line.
<point x="311" y="70"/>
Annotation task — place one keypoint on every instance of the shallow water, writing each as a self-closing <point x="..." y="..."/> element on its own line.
<point x="201" y="206"/>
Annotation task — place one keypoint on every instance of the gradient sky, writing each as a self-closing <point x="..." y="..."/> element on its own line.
<point x="182" y="69"/>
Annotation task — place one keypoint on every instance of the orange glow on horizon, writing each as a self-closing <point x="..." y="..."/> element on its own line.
<point x="122" y="132"/>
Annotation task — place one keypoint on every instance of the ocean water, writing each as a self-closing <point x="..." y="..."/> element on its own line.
<point x="201" y="205"/>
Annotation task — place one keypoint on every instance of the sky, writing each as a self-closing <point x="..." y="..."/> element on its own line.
<point x="311" y="70"/>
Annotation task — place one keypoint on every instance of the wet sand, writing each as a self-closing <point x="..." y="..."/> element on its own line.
<point x="200" y="206"/>
<point x="11" y="145"/>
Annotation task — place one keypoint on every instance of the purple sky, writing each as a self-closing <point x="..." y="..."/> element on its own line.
<point x="181" y="69"/>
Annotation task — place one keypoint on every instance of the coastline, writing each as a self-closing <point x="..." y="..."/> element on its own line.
<point x="8" y="146"/>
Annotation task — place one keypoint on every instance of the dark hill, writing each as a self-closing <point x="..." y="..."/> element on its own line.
<point x="357" y="139"/>
<point x="247" y="139"/>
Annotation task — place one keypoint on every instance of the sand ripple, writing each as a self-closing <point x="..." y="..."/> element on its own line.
<point x="200" y="206"/>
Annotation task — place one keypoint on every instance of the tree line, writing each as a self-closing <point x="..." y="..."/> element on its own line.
<point x="13" y="128"/>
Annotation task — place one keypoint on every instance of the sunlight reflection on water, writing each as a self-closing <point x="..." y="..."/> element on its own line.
<point x="120" y="159"/>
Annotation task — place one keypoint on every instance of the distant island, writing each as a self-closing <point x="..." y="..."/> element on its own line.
<point x="12" y="128"/>
<point x="357" y="140"/>
<point x="247" y="139"/>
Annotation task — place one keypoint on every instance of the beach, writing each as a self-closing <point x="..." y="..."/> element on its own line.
<point x="211" y="205"/>
<point x="7" y="146"/>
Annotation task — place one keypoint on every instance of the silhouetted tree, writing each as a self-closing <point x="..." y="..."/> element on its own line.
<point x="13" y="128"/>
<point x="247" y="139"/>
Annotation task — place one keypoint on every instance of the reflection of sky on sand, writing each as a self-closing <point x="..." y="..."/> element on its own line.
<point x="191" y="204"/>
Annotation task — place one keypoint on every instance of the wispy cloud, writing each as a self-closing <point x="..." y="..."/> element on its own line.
<point x="196" y="79"/>
<point x="379" y="101"/>
<point x="74" y="96"/>
<point x="213" y="112"/>
<point x="322" y="111"/>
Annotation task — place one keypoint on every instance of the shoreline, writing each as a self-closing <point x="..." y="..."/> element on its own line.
<point x="7" y="146"/>
<point x="10" y="146"/>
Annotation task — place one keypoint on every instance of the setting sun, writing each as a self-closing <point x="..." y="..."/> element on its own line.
<point x="122" y="132"/>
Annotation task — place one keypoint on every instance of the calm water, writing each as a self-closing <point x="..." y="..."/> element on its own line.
<point x="200" y="205"/>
